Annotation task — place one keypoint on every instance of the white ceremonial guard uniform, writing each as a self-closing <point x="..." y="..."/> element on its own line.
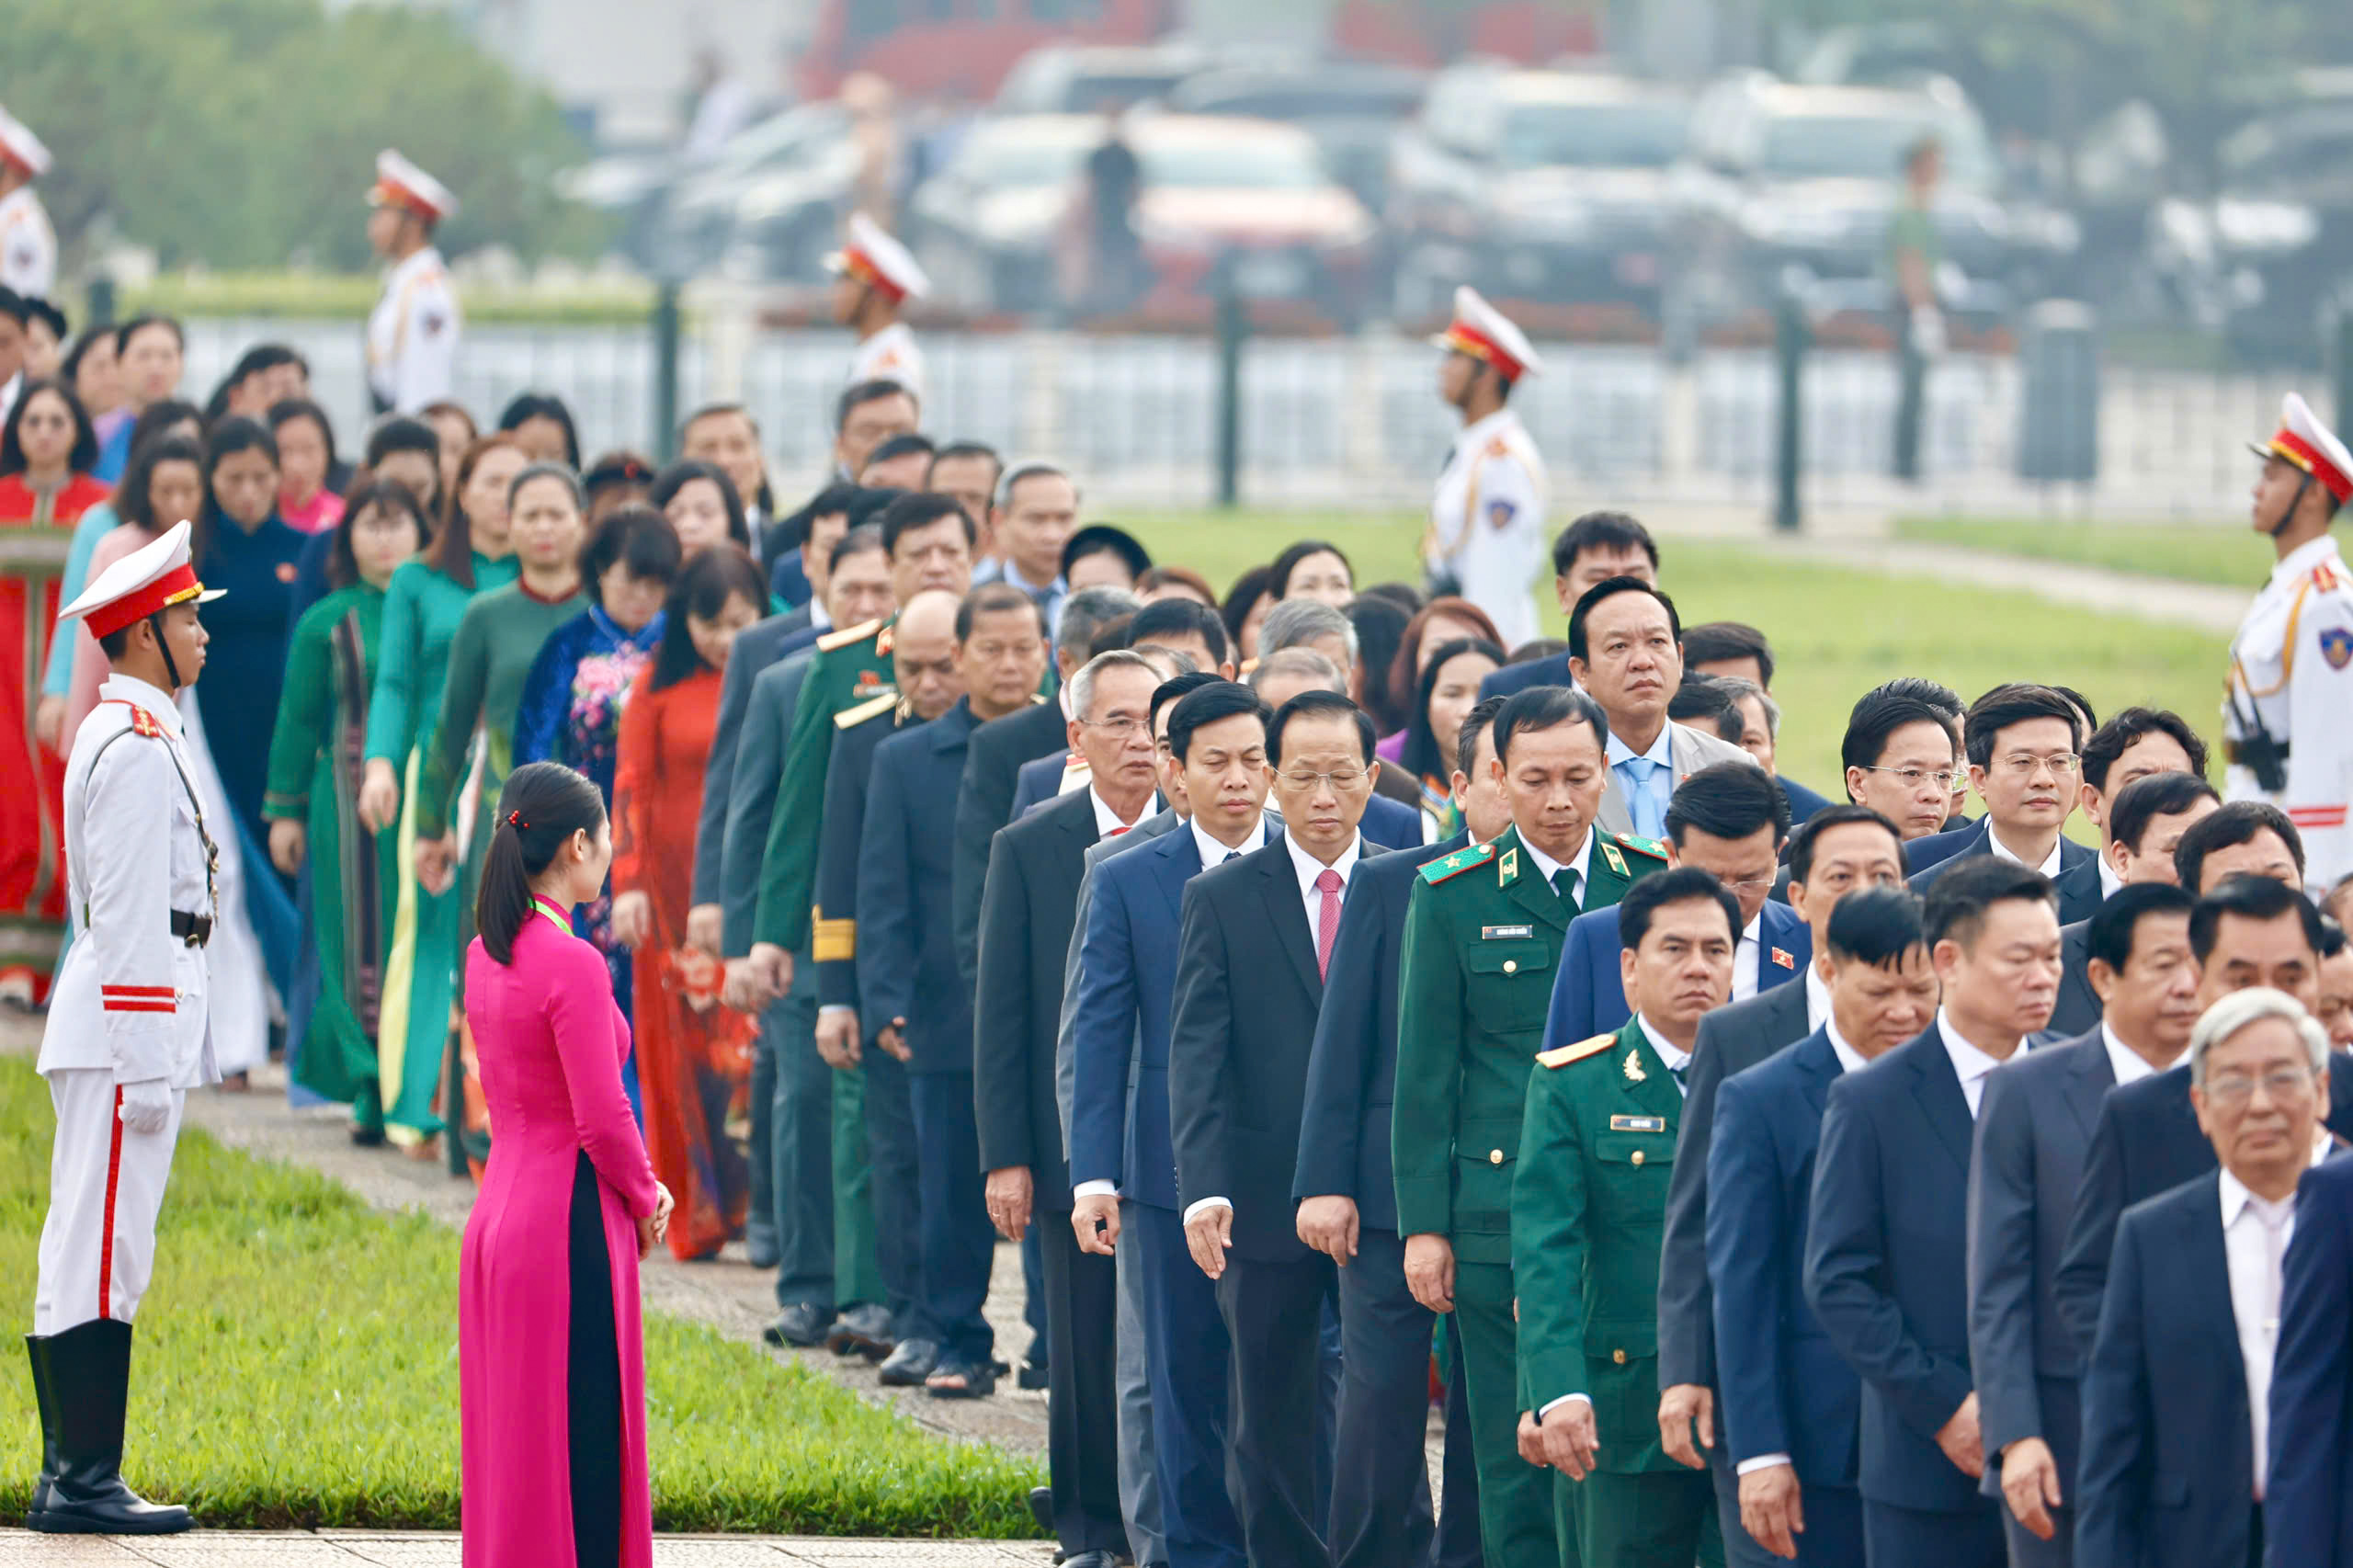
<point x="27" y="241"/>
<point x="413" y="331"/>
<point x="1486" y="524"/>
<point x="129" y="1034"/>
<point x="2291" y="670"/>
<point x="889" y="270"/>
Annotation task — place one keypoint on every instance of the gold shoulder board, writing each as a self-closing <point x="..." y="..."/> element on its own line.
<point x="873" y="707"/>
<point x="1562" y="1055"/>
<point x="842" y="637"/>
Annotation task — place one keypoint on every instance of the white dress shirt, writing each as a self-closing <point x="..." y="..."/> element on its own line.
<point x="1970" y="1064"/>
<point x="2128" y="1065"/>
<point x="1744" y="957"/>
<point x="2254" y="1297"/>
<point x="1308" y="868"/>
<point x="1214" y="853"/>
<point x="2050" y="867"/>
<point x="1817" y="1000"/>
<point x="1548" y="868"/>
<point x="2108" y="880"/>
<point x="1108" y="823"/>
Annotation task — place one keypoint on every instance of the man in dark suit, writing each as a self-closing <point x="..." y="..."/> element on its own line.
<point x="1840" y="851"/>
<point x="1888" y="1231"/>
<point x="1255" y="944"/>
<point x="1731" y="820"/>
<point x="1901" y="757"/>
<point x="2179" y="1402"/>
<point x="1792" y="1408"/>
<point x="1594" y="548"/>
<point x="1348" y="1204"/>
<point x="2135" y="743"/>
<point x="2242" y="838"/>
<point x="2032" y="1132"/>
<point x="2022" y="743"/>
<point x="915" y="1002"/>
<point x="2308" y="1496"/>
<point x="2145" y="822"/>
<point x="2249" y="931"/>
<point x="1123" y="1167"/>
<point x="1027" y="932"/>
<point x="984" y="795"/>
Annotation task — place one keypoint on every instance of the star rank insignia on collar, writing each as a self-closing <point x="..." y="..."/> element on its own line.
<point x="1634" y="1074"/>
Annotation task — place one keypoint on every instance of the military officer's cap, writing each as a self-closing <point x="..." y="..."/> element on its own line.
<point x="154" y="577"/>
<point x="399" y="183"/>
<point x="19" y="146"/>
<point x="1484" y="332"/>
<point x="2311" y="446"/>
<point x="877" y="260"/>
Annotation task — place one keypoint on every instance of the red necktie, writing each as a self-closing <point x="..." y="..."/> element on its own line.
<point x="1327" y="919"/>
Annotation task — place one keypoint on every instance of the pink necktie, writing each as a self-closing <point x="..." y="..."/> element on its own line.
<point x="1327" y="919"/>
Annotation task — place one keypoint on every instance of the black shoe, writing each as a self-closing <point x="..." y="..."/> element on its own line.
<point x="954" y="1379"/>
<point x="802" y="1324"/>
<point x="367" y="1137"/>
<point x="862" y="1331"/>
<point x="910" y="1364"/>
<point x="1041" y="1507"/>
<point x="1090" y="1560"/>
<point x="82" y="1383"/>
<point x="1033" y="1376"/>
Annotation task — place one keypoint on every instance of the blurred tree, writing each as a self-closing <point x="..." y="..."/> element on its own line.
<point x="244" y="132"/>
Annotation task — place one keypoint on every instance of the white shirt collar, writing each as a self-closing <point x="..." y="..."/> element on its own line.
<point x="1107" y="821"/>
<point x="1817" y="998"/>
<point x="1546" y="866"/>
<point x="1478" y="430"/>
<point x="2108" y="880"/>
<point x="1849" y="1059"/>
<point x="1674" y="1057"/>
<point x="1969" y="1063"/>
<point x="1662" y="750"/>
<point x="139" y="694"/>
<point x="1745" y="973"/>
<point x="2303" y="558"/>
<point x="1213" y="853"/>
<point x="819" y="616"/>
<point x="1012" y="577"/>
<point x="417" y="262"/>
<point x="2128" y="1065"/>
<point x="2050" y="867"/>
<point x="1307" y="868"/>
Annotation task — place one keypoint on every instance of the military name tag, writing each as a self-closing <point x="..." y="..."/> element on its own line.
<point x="1505" y="933"/>
<point x="1638" y="1124"/>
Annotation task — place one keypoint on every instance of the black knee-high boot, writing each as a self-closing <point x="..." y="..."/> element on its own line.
<point x="82" y="1378"/>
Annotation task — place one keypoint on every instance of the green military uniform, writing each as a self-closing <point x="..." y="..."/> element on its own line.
<point x="1483" y="938"/>
<point x="850" y="667"/>
<point x="1588" y="1212"/>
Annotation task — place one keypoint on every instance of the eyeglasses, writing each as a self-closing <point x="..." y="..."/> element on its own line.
<point x="1338" y="780"/>
<point x="1914" y="778"/>
<point x="1118" y="729"/>
<point x="1751" y="884"/>
<point x="2281" y="1084"/>
<point x="2025" y="764"/>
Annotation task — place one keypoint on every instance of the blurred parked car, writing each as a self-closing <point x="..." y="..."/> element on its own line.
<point x="1536" y="185"/>
<point x="1807" y="178"/>
<point x="1083" y="79"/>
<point x="1002" y="227"/>
<point x="1351" y="111"/>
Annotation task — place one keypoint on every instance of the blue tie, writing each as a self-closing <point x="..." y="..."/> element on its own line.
<point x="1649" y="816"/>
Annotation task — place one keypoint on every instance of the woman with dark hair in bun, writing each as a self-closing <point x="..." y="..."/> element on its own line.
<point x="550" y="1340"/>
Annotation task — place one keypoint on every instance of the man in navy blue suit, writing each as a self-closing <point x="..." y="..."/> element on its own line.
<point x="2179" y="1400"/>
<point x="2143" y="822"/>
<point x="2134" y="744"/>
<point x="1900" y="755"/>
<point x="1121" y="1147"/>
<point x="2308" y="1496"/>
<point x="1888" y="1230"/>
<point x="1346" y="1194"/>
<point x="2023" y="744"/>
<point x="1742" y="657"/>
<point x="1594" y="549"/>
<point x="1731" y="820"/>
<point x="1792" y="1408"/>
<point x="2033" y="1130"/>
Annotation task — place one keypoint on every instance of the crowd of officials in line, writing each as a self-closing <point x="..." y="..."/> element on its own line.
<point x="974" y="876"/>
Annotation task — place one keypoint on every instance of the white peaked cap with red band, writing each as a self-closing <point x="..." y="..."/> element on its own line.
<point x="2311" y="446"/>
<point x="21" y="147"/>
<point x="878" y="261"/>
<point x="1485" y="333"/>
<point x="399" y="183"/>
<point x="154" y="577"/>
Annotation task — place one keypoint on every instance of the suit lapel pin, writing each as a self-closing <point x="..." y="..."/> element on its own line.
<point x="1783" y="959"/>
<point x="1634" y="1074"/>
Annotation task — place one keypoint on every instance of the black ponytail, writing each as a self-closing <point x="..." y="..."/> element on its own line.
<point x="543" y="805"/>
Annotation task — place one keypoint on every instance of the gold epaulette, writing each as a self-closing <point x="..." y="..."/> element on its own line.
<point x="872" y="708"/>
<point x="833" y="941"/>
<point x="1654" y="847"/>
<point x="1561" y="1056"/>
<point x="1453" y="865"/>
<point x="842" y="637"/>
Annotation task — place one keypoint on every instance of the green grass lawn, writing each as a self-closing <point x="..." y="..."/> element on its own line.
<point x="297" y="1366"/>
<point x="1836" y="632"/>
<point x="2228" y="554"/>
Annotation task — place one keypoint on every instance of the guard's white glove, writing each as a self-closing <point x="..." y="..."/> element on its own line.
<point x="1927" y="331"/>
<point x="146" y="1106"/>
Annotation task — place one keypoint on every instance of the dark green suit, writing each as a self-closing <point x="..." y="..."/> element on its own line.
<point x="1589" y="1211"/>
<point x="1482" y="938"/>
<point x="850" y="667"/>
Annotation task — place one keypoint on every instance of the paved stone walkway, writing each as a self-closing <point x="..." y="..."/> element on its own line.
<point x="353" y="1549"/>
